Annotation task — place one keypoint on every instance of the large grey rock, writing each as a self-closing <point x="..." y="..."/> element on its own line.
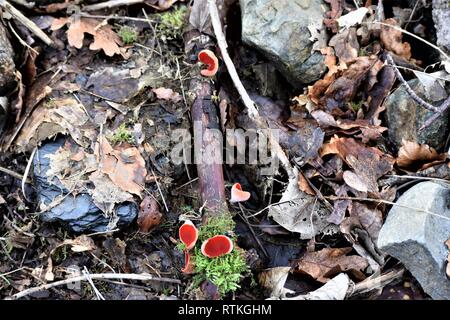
<point x="76" y="212"/>
<point x="404" y="118"/>
<point x="7" y="67"/>
<point x="441" y="17"/>
<point x="417" y="238"/>
<point x="278" y="28"/>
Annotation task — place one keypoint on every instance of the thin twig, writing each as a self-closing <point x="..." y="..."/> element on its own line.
<point x="410" y="91"/>
<point x="370" y="284"/>
<point x="125" y="18"/>
<point x="88" y="279"/>
<point x="98" y="276"/>
<point x="13" y="174"/>
<point x="27" y="171"/>
<point x="30" y="25"/>
<point x="160" y="191"/>
<point x="441" y="110"/>
<point x="248" y="102"/>
<point x="110" y="4"/>
<point x="417" y="178"/>
<point x="389" y="202"/>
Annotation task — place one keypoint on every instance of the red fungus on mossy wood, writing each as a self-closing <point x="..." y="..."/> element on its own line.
<point x="217" y="246"/>
<point x="209" y="58"/>
<point x="188" y="264"/>
<point x="188" y="234"/>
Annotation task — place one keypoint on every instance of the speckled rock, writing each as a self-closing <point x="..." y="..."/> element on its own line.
<point x="417" y="238"/>
<point x="278" y="28"/>
<point x="441" y="17"/>
<point x="404" y="118"/>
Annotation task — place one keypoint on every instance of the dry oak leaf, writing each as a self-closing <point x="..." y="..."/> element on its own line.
<point x="149" y="215"/>
<point x="325" y="264"/>
<point x="124" y="165"/>
<point x="104" y="37"/>
<point x="392" y="40"/>
<point x="367" y="162"/>
<point x="417" y="156"/>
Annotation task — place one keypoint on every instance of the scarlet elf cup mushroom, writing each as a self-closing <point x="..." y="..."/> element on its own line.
<point x="209" y="58"/>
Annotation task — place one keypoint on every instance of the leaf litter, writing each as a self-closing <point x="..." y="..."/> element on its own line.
<point x="332" y="131"/>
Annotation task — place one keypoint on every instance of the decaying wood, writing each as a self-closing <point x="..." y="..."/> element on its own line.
<point x="16" y="14"/>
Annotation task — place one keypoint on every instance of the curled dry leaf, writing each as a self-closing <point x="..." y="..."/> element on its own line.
<point x="104" y="37"/>
<point x="417" y="156"/>
<point x="326" y="263"/>
<point x="392" y="40"/>
<point x="367" y="162"/>
<point x="273" y="280"/>
<point x="149" y="215"/>
<point x="304" y="186"/>
<point x="354" y="181"/>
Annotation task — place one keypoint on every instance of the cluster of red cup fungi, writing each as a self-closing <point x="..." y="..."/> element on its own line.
<point x="212" y="248"/>
<point x="215" y="246"/>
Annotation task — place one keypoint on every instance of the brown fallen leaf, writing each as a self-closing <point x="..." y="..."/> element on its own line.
<point x="124" y="165"/>
<point x="345" y="45"/>
<point x="104" y="37"/>
<point x="354" y="181"/>
<point x="371" y="219"/>
<point x="149" y="215"/>
<point x="304" y="186"/>
<point x="367" y="162"/>
<point x="167" y="94"/>
<point x="392" y="40"/>
<point x="324" y="264"/>
<point x="344" y="88"/>
<point x="416" y="156"/>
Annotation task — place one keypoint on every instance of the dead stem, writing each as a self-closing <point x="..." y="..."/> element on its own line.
<point x="98" y="276"/>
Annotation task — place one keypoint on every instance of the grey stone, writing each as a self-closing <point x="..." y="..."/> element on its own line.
<point x="441" y="17"/>
<point x="7" y="66"/>
<point x="417" y="238"/>
<point x="279" y="29"/>
<point x="77" y="212"/>
<point x="404" y="118"/>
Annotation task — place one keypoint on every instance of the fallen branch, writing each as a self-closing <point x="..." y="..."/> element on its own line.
<point x="98" y="276"/>
<point x="248" y="102"/>
<point x="30" y="25"/>
<point x="381" y="281"/>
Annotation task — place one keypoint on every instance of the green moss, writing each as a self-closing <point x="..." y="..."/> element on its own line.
<point x="172" y="22"/>
<point x="122" y="134"/>
<point x="128" y="34"/>
<point x="226" y="271"/>
<point x="355" y="106"/>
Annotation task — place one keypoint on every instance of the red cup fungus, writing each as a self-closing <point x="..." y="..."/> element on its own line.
<point x="209" y="58"/>
<point x="237" y="194"/>
<point x="188" y="234"/>
<point x="217" y="246"/>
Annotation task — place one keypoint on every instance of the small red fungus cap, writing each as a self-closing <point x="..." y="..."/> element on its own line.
<point x="209" y="58"/>
<point x="237" y="194"/>
<point x="188" y="234"/>
<point x="217" y="246"/>
<point x="188" y="264"/>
